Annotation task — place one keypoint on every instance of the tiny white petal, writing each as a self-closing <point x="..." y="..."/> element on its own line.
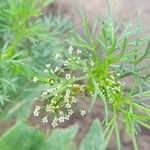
<point x="68" y="76"/>
<point x="37" y="107"/>
<point x="92" y="63"/>
<point x="57" y="56"/>
<point x="36" y="113"/>
<point x="35" y="99"/>
<point x="61" y="113"/>
<point x="68" y="105"/>
<point x="78" y="51"/>
<point x="47" y="108"/>
<point x="48" y="65"/>
<point x="44" y="120"/>
<point x="35" y="79"/>
<point x="54" y="124"/>
<point x="118" y="74"/>
<point x="56" y="69"/>
<point x="70" y="49"/>
<point x="61" y="119"/>
<point x="46" y="71"/>
<point x="83" y="112"/>
<point x="70" y="112"/>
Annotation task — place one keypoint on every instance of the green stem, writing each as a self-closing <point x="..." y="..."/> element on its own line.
<point x="93" y="102"/>
<point x="134" y="140"/>
<point x="104" y="101"/>
<point x="110" y="129"/>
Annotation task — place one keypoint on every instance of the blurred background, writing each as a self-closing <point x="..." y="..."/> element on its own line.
<point x="126" y="10"/>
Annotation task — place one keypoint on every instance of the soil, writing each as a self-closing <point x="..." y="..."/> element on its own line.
<point x="84" y="123"/>
<point x="123" y="10"/>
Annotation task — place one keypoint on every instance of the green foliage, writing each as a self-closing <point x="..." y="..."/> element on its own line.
<point x="23" y="137"/>
<point x="93" y="140"/>
<point x="61" y="139"/>
<point x="115" y="56"/>
<point x="27" y="40"/>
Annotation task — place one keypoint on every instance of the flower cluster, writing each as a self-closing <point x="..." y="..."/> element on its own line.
<point x="60" y="91"/>
<point x="59" y="104"/>
<point x="62" y="117"/>
<point x="36" y="111"/>
<point x="61" y="88"/>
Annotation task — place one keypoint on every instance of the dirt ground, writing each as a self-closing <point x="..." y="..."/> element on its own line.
<point x="84" y="123"/>
<point x="125" y="10"/>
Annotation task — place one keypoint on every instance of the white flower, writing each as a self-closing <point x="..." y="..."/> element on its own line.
<point x="66" y="63"/>
<point x="110" y="100"/>
<point x="37" y="107"/>
<point x="46" y="84"/>
<point x="78" y="52"/>
<point x="78" y="57"/>
<point x="68" y="76"/>
<point x="54" y="124"/>
<point x="67" y="117"/>
<point x="82" y="88"/>
<point x="47" y="108"/>
<point x="35" y="99"/>
<point x="61" y="119"/>
<point x="57" y="56"/>
<point x="68" y="92"/>
<point x="74" y="100"/>
<point x="68" y="105"/>
<point x="44" y="94"/>
<point x="92" y="63"/>
<point x="83" y="112"/>
<point x="44" y="120"/>
<point x="70" y="49"/>
<point x="55" y="119"/>
<point x="61" y="113"/>
<point x="50" y="90"/>
<point x="48" y="65"/>
<point x="35" y="79"/>
<point x="70" y="112"/>
<point x="118" y="74"/>
<point x="56" y="69"/>
<point x="66" y="98"/>
<point x="46" y="71"/>
<point x="52" y="71"/>
<point x="36" y="113"/>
